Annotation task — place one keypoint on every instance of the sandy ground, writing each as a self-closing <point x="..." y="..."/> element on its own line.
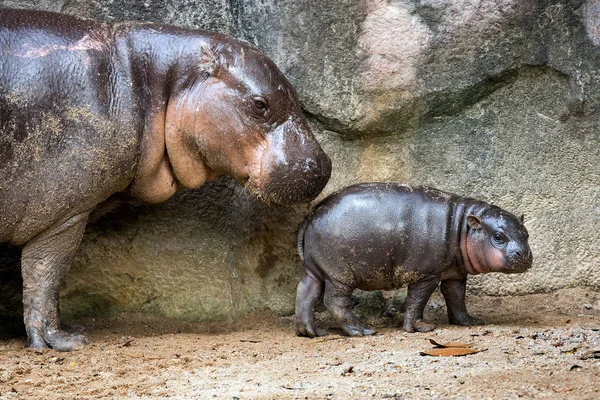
<point x="535" y="346"/>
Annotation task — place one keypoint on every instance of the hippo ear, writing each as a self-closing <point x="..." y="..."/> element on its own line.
<point x="473" y="222"/>
<point x="209" y="61"/>
<point x="522" y="218"/>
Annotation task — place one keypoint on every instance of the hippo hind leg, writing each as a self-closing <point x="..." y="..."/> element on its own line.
<point x="309" y="291"/>
<point x="418" y="294"/>
<point x="454" y="294"/>
<point x="338" y="300"/>
<point x="44" y="264"/>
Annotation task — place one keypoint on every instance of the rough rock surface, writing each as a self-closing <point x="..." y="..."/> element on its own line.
<point x="492" y="99"/>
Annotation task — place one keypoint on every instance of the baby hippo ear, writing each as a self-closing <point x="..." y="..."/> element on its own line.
<point x="473" y="222"/>
<point x="522" y="218"/>
<point x="209" y="61"/>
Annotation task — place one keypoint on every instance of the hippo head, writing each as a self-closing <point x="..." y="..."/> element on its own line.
<point x="497" y="242"/>
<point x="238" y="115"/>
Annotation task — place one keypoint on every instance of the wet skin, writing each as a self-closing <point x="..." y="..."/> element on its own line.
<point x="382" y="236"/>
<point x="91" y="111"/>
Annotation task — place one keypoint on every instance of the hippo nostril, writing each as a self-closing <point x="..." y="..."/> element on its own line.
<point x="309" y="165"/>
<point x="310" y="175"/>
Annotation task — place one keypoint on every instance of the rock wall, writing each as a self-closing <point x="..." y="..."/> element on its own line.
<point x="492" y="99"/>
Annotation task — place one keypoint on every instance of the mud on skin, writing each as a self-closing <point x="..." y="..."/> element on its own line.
<point x="382" y="236"/>
<point x="90" y="111"/>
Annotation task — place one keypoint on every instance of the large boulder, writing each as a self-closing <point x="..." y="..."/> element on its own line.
<point x="492" y="99"/>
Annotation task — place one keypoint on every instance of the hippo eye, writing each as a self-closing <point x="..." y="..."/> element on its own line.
<point x="260" y="106"/>
<point x="499" y="238"/>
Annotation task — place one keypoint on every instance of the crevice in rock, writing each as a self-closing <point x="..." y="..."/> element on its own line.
<point x="444" y="103"/>
<point x="456" y="102"/>
<point x="401" y="118"/>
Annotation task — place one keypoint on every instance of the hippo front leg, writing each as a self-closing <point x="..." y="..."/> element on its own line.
<point x="418" y="294"/>
<point x="44" y="264"/>
<point x="453" y="291"/>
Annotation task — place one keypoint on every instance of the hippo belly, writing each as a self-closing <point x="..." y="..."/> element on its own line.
<point x="41" y="186"/>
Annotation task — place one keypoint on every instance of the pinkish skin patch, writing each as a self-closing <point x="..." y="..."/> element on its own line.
<point x="83" y="44"/>
<point x="470" y="260"/>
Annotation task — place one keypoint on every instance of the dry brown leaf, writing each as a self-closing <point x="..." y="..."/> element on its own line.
<point x="451" y="344"/>
<point x="449" y="352"/>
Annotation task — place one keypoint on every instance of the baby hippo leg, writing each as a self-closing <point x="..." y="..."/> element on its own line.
<point x="453" y="291"/>
<point x="416" y="299"/>
<point x="309" y="291"/>
<point x="338" y="298"/>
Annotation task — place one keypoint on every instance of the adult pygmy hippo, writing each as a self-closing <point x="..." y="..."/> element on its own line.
<point x="91" y="109"/>
<point x="386" y="235"/>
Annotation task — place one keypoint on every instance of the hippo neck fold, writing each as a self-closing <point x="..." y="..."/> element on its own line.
<point x="464" y="207"/>
<point x="161" y="62"/>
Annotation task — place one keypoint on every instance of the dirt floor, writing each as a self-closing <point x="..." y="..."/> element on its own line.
<point x="535" y="346"/>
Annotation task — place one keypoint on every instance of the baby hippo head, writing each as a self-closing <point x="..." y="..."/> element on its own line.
<point x="497" y="241"/>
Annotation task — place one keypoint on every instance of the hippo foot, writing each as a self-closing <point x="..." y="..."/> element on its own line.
<point x="310" y="331"/>
<point x="418" y="326"/>
<point x="465" y="320"/>
<point x="357" y="330"/>
<point x="59" y="340"/>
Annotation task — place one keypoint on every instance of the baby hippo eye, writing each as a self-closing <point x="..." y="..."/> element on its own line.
<point x="499" y="238"/>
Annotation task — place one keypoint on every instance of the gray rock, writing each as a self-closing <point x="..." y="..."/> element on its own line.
<point x="47" y="5"/>
<point x="213" y="15"/>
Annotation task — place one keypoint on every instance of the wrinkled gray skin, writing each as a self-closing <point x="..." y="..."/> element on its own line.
<point x="382" y="236"/>
<point x="90" y="112"/>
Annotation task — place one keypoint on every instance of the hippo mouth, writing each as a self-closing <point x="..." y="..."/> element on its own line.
<point x="290" y="167"/>
<point x="520" y="264"/>
<point x="277" y="180"/>
<point x="285" y="192"/>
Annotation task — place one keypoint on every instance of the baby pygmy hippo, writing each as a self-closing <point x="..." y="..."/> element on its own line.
<point x="381" y="236"/>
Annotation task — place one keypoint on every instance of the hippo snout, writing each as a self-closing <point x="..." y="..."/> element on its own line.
<point x="294" y="169"/>
<point x="299" y="181"/>
<point x="522" y="260"/>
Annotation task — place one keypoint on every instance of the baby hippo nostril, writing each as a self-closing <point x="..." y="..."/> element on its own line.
<point x="523" y="254"/>
<point x="522" y="259"/>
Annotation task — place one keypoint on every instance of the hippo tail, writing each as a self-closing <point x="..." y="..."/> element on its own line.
<point x="310" y="267"/>
<point x="301" y="233"/>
